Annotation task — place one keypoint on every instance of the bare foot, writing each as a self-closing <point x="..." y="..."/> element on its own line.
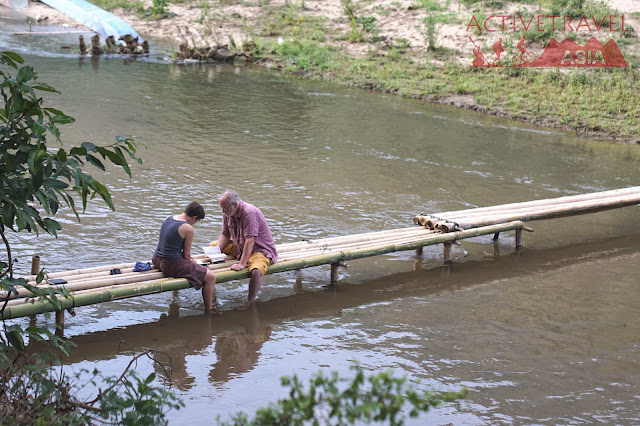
<point x="213" y="312"/>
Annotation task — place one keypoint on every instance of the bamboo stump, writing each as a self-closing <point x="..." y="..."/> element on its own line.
<point x="35" y="265"/>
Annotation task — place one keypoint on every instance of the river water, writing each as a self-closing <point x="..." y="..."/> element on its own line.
<point x="546" y="336"/>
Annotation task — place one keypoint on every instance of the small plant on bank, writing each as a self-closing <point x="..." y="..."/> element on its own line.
<point x="431" y="33"/>
<point x="359" y="26"/>
<point x="159" y="7"/>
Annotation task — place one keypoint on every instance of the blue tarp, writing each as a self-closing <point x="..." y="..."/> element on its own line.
<point x="90" y="15"/>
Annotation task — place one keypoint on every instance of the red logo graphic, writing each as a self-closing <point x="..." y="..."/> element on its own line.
<point x="568" y="53"/>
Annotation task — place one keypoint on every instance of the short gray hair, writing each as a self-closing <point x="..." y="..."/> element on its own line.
<point x="232" y="197"/>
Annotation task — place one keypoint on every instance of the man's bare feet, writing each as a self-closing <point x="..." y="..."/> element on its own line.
<point x="213" y="312"/>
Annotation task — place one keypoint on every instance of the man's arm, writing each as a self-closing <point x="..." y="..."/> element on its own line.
<point x="223" y="240"/>
<point x="246" y="253"/>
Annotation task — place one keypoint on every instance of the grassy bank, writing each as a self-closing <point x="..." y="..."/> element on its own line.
<point x="405" y="47"/>
<point x="598" y="102"/>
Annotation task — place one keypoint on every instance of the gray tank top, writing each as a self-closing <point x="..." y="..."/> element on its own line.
<point x="170" y="242"/>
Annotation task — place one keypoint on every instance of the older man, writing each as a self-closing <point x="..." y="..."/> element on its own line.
<point x="245" y="235"/>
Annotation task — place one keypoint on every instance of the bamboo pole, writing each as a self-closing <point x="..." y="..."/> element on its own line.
<point x="550" y="213"/>
<point x="513" y="210"/>
<point x="31" y="307"/>
<point x="351" y="238"/>
<point x="326" y="247"/>
<point x="551" y="201"/>
<point x="348" y="247"/>
<point x="281" y="248"/>
<point x="542" y="212"/>
<point x="97" y="280"/>
<point x="431" y="219"/>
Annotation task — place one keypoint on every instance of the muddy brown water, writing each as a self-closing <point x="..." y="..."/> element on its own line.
<point x="546" y="336"/>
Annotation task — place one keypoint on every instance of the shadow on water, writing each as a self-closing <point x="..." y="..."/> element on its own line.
<point x="238" y="336"/>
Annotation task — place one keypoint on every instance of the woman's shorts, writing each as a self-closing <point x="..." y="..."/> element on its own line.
<point x="182" y="268"/>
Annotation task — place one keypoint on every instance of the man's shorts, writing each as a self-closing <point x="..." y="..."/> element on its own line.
<point x="257" y="260"/>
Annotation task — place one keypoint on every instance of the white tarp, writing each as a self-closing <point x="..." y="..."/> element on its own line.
<point x="90" y="15"/>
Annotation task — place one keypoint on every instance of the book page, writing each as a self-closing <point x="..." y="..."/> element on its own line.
<point x="213" y="253"/>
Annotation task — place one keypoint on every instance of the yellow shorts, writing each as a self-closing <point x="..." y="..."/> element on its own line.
<point x="257" y="260"/>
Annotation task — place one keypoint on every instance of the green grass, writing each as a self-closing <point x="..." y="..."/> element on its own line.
<point x="585" y="100"/>
<point x="115" y="4"/>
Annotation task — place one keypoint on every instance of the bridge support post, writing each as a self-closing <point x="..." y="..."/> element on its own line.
<point x="518" y="238"/>
<point x="447" y="253"/>
<point x="60" y="323"/>
<point x="334" y="270"/>
<point x="35" y="270"/>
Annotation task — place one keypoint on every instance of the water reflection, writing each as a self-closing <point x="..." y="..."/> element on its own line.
<point x="238" y="351"/>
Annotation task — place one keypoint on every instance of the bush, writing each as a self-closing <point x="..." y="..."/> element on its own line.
<point x="37" y="180"/>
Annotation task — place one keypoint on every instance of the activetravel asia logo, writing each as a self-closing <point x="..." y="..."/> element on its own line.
<point x="566" y="53"/>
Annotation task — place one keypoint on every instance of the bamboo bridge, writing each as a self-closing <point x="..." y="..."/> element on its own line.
<point x="95" y="285"/>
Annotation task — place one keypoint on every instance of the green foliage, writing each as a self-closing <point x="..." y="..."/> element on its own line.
<point x="432" y="5"/>
<point x="159" y="7"/>
<point x="359" y="26"/>
<point x="134" y="401"/>
<point x="380" y="397"/>
<point x="305" y="55"/>
<point x="30" y="171"/>
<point x="109" y="5"/>
<point x="431" y="32"/>
<point x="36" y="181"/>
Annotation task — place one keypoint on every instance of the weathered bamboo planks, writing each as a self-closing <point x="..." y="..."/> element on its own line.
<point x="96" y="285"/>
<point x="149" y="283"/>
<point x="531" y="210"/>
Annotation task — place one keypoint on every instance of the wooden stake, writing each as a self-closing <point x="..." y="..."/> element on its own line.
<point x="447" y="253"/>
<point x="35" y="265"/>
<point x="59" y="321"/>
<point x="518" y="238"/>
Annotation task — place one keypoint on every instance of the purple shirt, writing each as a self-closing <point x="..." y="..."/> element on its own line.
<point x="250" y="222"/>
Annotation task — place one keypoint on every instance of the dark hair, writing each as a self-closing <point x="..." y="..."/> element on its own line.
<point x="195" y="209"/>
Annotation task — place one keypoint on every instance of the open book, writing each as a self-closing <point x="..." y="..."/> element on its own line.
<point x="213" y="253"/>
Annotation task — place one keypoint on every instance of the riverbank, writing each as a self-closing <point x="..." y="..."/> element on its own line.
<point x="421" y="49"/>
